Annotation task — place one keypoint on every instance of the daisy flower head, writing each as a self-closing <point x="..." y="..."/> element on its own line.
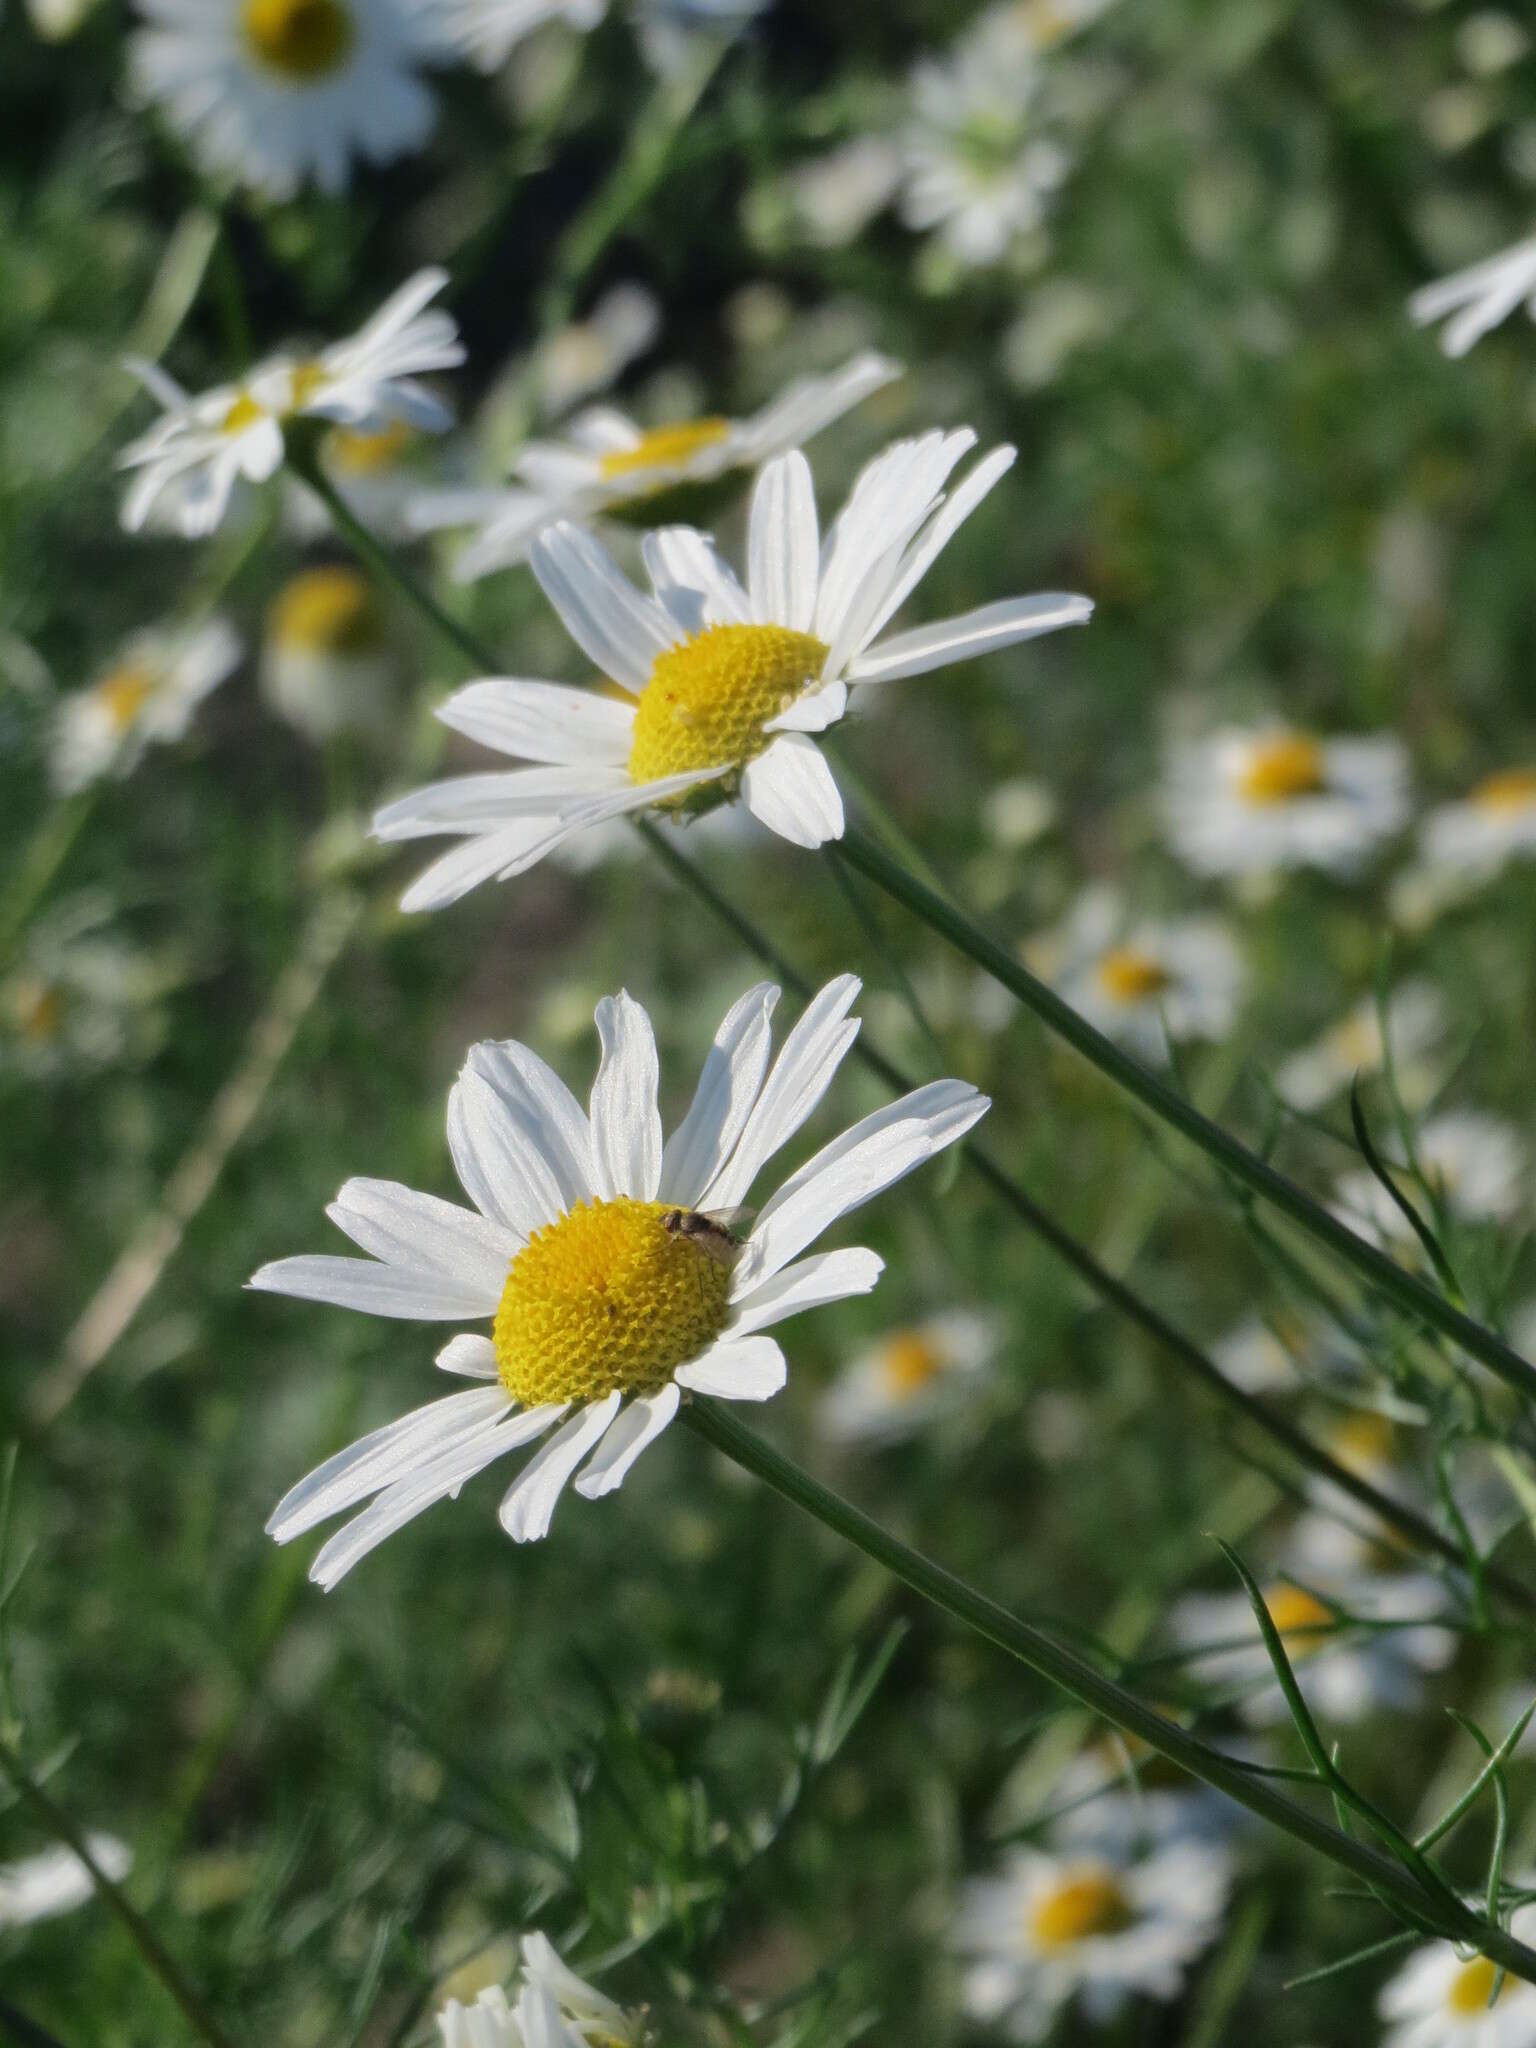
<point x="1117" y="1798"/>
<point x="276" y="92"/>
<point x="721" y="684"/>
<point x="1098" y="1928"/>
<point x="1414" y="1018"/>
<point x="606" y="461"/>
<point x="551" y="2007"/>
<point x="1252" y="800"/>
<point x="1495" y="823"/>
<point x="1440" y="1999"/>
<point x="1280" y="1353"/>
<point x="327" y="665"/>
<point x="596" y="1253"/>
<point x="897" y="1385"/>
<point x="146" y="698"/>
<point x="1473" y="1163"/>
<point x="1472" y="302"/>
<point x="78" y="998"/>
<point x="488" y="31"/>
<point x="55" y="1881"/>
<point x="191" y="458"/>
<point x="1144" y="981"/>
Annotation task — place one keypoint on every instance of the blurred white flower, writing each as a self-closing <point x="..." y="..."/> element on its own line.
<point x="720" y="686"/>
<point x="1415" y="1020"/>
<point x="56" y="1881"/>
<point x="78" y="998"/>
<point x="607" y="461"/>
<point x="1252" y="800"/>
<point x="1120" y="1799"/>
<point x="195" y="452"/>
<point x="1280" y="1353"/>
<point x="833" y="198"/>
<point x="1440" y="1999"/>
<point x="671" y="31"/>
<point x="1016" y="813"/>
<point x="587" y="356"/>
<point x="1492" y="825"/>
<point x="327" y="665"/>
<point x="488" y="31"/>
<point x="146" y="698"/>
<point x="1142" y="981"/>
<point x="596" y="1253"/>
<point x="1473" y="301"/>
<point x="57" y="20"/>
<point x="1474" y="1163"/>
<point x="908" y="1377"/>
<point x="1050" y="1928"/>
<point x="274" y="92"/>
<point x="553" y="2008"/>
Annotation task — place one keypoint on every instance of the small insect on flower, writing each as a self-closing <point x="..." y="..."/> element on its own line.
<point x="605" y="1260"/>
<point x="144" y="698"/>
<point x="550" y="2007"/>
<point x="719" y="687"/>
<point x="1443" y="1999"/>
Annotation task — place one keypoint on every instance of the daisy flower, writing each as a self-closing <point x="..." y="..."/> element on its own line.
<point x="1473" y="1163"/>
<point x="195" y="452"/>
<point x="1101" y="1929"/>
<point x="78" y="998"/>
<point x="1280" y="1353"/>
<point x="488" y="31"/>
<point x="1440" y="1999"/>
<point x="1345" y="1671"/>
<point x="608" y="461"/>
<point x="1251" y="800"/>
<point x="719" y="685"/>
<point x="595" y="1253"/>
<point x="895" y="1386"/>
<point x="1473" y="301"/>
<point x="55" y="1881"/>
<point x="1144" y="981"/>
<point x="1356" y="1044"/>
<point x="1118" y="1798"/>
<point x="552" y="2008"/>
<point x="327" y="665"/>
<point x="146" y="698"/>
<point x="1492" y="825"/>
<point x="274" y="92"/>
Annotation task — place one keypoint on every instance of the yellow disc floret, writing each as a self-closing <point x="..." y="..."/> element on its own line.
<point x="1471" y="1988"/>
<point x="910" y="1362"/>
<point x="1513" y="789"/>
<point x="1281" y="769"/>
<point x="124" y="693"/>
<point x="1089" y="1902"/>
<point x="326" y="611"/>
<point x="707" y="702"/>
<point x="302" y="40"/>
<point x="1301" y="1620"/>
<point x="606" y="1298"/>
<point x="1126" y="974"/>
<point x="665" y="448"/>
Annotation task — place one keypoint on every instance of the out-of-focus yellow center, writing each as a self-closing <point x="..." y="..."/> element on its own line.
<point x="1513" y="789"/>
<point x="909" y="1362"/>
<point x="1044" y="24"/>
<point x="302" y="40"/>
<point x="665" y="448"/>
<point x="37" y="1009"/>
<point x="706" y="703"/>
<point x="1471" y="1987"/>
<point x="326" y="611"/>
<point x="1362" y="1441"/>
<point x="358" y="454"/>
<point x="1300" y="1618"/>
<point x="124" y="693"/>
<point x="606" y="1298"/>
<point x="1087" y="1903"/>
<point x="1128" y="975"/>
<point x="1281" y="769"/>
<point x="243" y="413"/>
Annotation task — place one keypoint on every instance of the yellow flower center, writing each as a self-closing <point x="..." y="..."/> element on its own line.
<point x="359" y="454"/>
<point x="326" y="611"/>
<point x="243" y="413"/>
<point x="910" y="1361"/>
<point x="706" y="702"/>
<point x="303" y="40"/>
<point x="1127" y="975"/>
<point x="604" y="1298"/>
<point x="124" y="693"/>
<point x="1081" y="1906"/>
<point x="1362" y="1440"/>
<point x="1300" y="1618"/>
<point x="37" y="1010"/>
<point x="1281" y="769"/>
<point x="1512" y="790"/>
<point x="664" y="447"/>
<point x="1471" y="1987"/>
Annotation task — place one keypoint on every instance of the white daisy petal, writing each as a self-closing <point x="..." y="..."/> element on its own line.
<point x="479" y="803"/>
<point x="728" y="1087"/>
<point x="423" y="1233"/>
<point x="499" y="1157"/>
<point x="941" y="530"/>
<point x="602" y="611"/>
<point x="983" y="631"/>
<point x="469" y="1356"/>
<point x="379" y="1459"/>
<point x="376" y="1290"/>
<point x="790" y="789"/>
<point x="540" y="1104"/>
<point x="784" y="545"/>
<point x="802" y="1073"/>
<point x="809" y="1283"/>
<point x="543" y="721"/>
<point x="530" y="1502"/>
<point x="626" y="1122"/>
<point x="692" y="580"/>
<point x="737" y="1369"/>
<point x="639" y="1424"/>
<point x="813" y="712"/>
<point x="481" y="859"/>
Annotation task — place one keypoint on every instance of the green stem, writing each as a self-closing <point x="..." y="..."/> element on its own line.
<point x="50" y="847"/>
<point x="1388" y="1278"/>
<point x="148" y="1943"/>
<point x="1065" y="1669"/>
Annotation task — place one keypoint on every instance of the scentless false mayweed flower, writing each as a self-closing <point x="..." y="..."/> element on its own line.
<point x="488" y="31"/>
<point x="1475" y="300"/>
<point x="273" y="92"/>
<point x="1495" y="823"/>
<point x="607" y="461"/>
<point x="327" y="665"/>
<point x="1473" y="1163"/>
<point x="906" y="1378"/>
<point x="1099" y="1928"/>
<point x="550" y="2007"/>
<point x="595" y="1253"/>
<point x="145" y="698"/>
<point x="1441" y="1998"/>
<point x="720" y="686"/>
<point x="193" y="454"/>
<point x="1252" y="800"/>
<point x="1357" y="1045"/>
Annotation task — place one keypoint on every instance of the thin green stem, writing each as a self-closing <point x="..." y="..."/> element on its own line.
<point x="1384" y="1274"/>
<point x="50" y="848"/>
<point x="1065" y="1669"/>
<point x="145" y="1939"/>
